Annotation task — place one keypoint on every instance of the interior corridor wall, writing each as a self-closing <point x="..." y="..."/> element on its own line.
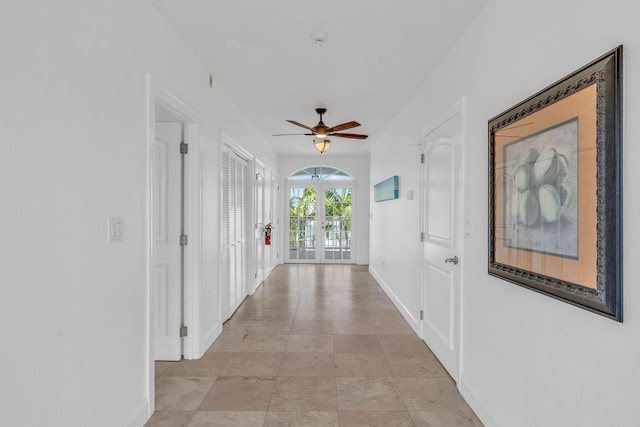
<point x="358" y="168"/>
<point x="73" y="128"/>
<point x="527" y="359"/>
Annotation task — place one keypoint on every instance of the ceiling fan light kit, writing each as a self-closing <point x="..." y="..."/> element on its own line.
<point x="321" y="144"/>
<point x="321" y="131"/>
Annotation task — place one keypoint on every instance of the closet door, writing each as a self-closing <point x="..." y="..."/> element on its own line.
<point x="234" y="217"/>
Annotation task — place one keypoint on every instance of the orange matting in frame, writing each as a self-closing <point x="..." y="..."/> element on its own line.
<point x="581" y="271"/>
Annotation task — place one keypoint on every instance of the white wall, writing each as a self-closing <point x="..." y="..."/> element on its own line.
<point x="73" y="132"/>
<point x="395" y="232"/>
<point x="527" y="359"/>
<point x="358" y="168"/>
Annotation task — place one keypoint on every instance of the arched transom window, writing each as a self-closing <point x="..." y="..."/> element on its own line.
<point x="321" y="173"/>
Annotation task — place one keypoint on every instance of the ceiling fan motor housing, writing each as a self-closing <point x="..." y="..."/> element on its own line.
<point x="320" y="128"/>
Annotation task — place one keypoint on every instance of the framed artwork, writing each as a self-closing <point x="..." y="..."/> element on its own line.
<point x="386" y="190"/>
<point x="555" y="189"/>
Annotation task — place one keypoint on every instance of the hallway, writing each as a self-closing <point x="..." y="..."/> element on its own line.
<point x="317" y="345"/>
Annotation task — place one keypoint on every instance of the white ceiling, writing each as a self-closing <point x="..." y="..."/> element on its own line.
<point x="377" y="54"/>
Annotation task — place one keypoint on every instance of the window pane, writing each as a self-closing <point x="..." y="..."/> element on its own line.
<point x="320" y="173"/>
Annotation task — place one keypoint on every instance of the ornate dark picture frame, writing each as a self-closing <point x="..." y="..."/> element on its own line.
<point x="555" y="189"/>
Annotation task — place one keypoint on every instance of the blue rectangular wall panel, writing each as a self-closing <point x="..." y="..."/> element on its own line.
<point x="386" y="190"/>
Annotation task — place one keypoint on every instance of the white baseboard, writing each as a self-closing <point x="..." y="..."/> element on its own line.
<point x="138" y="417"/>
<point x="476" y="404"/>
<point x="211" y="336"/>
<point x="411" y="320"/>
<point x="269" y="271"/>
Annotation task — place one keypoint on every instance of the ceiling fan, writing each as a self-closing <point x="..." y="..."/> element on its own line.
<point x="322" y="131"/>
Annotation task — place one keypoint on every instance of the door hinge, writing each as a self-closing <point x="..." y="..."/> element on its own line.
<point x="184" y="331"/>
<point x="184" y="240"/>
<point x="184" y="148"/>
<point x="422" y="238"/>
<point x="255" y="276"/>
<point x="421" y="314"/>
<point x="422" y="158"/>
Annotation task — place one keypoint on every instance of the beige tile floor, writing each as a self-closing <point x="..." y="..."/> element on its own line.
<point x="317" y="345"/>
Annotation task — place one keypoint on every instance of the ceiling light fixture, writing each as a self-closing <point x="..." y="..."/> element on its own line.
<point x="321" y="144"/>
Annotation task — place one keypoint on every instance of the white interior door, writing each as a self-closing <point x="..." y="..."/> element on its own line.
<point x="441" y="248"/>
<point x="167" y="211"/>
<point x="272" y="217"/>
<point x="259" y="225"/>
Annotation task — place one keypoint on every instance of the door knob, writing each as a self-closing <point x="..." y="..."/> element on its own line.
<point x="453" y="260"/>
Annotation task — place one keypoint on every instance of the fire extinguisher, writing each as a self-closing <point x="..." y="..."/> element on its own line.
<point x="267" y="234"/>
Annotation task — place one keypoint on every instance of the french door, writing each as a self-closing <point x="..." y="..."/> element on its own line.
<point x="321" y="222"/>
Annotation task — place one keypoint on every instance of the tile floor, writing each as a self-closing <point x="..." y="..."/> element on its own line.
<point x="317" y="345"/>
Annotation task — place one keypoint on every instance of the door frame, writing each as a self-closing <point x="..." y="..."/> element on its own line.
<point x="321" y="186"/>
<point x="158" y="95"/>
<point x="457" y="108"/>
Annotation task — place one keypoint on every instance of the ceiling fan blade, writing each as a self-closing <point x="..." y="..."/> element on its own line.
<point x="293" y="134"/>
<point x="350" y="135"/>
<point x="343" y="126"/>
<point x="300" y="124"/>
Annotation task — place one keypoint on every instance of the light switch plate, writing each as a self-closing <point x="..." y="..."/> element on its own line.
<point x="469" y="228"/>
<point x="115" y="230"/>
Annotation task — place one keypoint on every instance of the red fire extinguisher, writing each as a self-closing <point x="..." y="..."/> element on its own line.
<point x="267" y="234"/>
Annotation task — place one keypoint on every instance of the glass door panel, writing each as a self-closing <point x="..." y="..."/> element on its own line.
<point x="302" y="223"/>
<point x="337" y="223"/>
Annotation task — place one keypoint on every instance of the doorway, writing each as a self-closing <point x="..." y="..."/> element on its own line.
<point x="173" y="232"/>
<point x="274" y="222"/>
<point x="441" y="242"/>
<point x="259" y="215"/>
<point x="321" y="216"/>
